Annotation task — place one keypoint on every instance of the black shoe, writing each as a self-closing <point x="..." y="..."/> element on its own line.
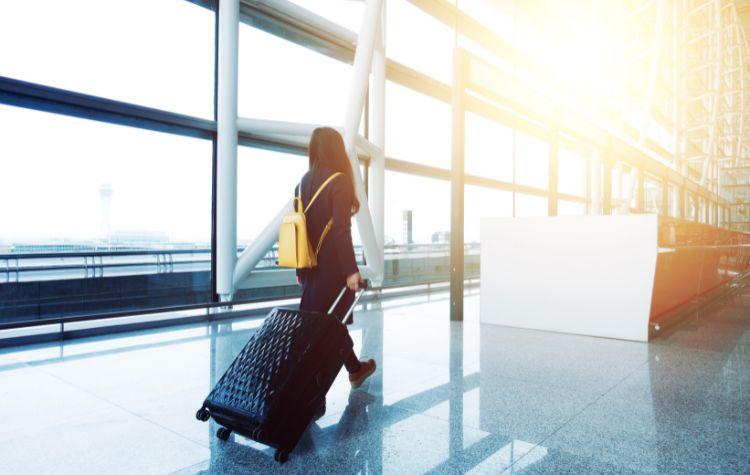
<point x="320" y="411"/>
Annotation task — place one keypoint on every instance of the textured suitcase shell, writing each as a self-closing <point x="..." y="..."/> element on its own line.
<point x="272" y="388"/>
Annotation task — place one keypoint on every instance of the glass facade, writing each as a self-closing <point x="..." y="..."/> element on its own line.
<point x="141" y="183"/>
<point x="489" y="148"/>
<point x="530" y="205"/>
<point x="532" y="161"/>
<point x="95" y="51"/>
<point x="571" y="172"/>
<point x="481" y="202"/>
<point x="425" y="200"/>
<point x="570" y="208"/>
<point x="417" y="127"/>
<point x="653" y="197"/>
<point x="101" y="218"/>
<point x="257" y="203"/>
<point x="280" y="80"/>
<point x="342" y="12"/>
<point x="428" y="52"/>
<point x="104" y="184"/>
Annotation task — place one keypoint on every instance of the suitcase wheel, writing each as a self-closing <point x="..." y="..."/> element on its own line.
<point x="203" y="414"/>
<point x="281" y="455"/>
<point x="223" y="433"/>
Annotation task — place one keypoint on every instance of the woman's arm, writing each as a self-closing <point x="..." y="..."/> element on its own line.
<point x="341" y="230"/>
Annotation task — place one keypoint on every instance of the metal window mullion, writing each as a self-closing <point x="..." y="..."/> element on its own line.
<point x="457" y="188"/>
<point x="60" y="101"/>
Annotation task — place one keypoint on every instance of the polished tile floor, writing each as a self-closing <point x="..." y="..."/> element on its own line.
<point x="447" y="398"/>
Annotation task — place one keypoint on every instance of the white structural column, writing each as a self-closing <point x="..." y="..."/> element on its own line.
<point x="354" y="107"/>
<point x="226" y="148"/>
<point x="377" y="134"/>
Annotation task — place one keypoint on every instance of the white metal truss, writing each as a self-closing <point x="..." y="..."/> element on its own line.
<point x="232" y="271"/>
<point x="715" y="118"/>
<point x="673" y="80"/>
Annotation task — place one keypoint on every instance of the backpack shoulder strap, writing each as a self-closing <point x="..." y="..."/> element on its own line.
<point x="325" y="183"/>
<point x="297" y="201"/>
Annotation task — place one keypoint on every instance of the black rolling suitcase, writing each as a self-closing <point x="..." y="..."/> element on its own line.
<point x="273" y="388"/>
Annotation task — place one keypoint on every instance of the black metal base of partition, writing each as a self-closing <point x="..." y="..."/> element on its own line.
<point x="680" y="315"/>
<point x="225" y="312"/>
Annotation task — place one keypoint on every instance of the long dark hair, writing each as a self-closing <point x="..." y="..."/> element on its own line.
<point x="327" y="149"/>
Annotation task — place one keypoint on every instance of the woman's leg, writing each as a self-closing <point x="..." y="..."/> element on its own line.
<point x="318" y="295"/>
<point x="352" y="363"/>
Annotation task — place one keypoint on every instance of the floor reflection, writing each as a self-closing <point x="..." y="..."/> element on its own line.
<point x="424" y="419"/>
<point x="447" y="398"/>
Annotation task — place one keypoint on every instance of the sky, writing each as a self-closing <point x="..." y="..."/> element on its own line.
<point x="53" y="166"/>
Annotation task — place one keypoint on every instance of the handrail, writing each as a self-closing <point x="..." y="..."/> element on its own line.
<point x="119" y="314"/>
<point x="63" y="320"/>
<point x="93" y="264"/>
<point x="144" y="252"/>
<point x="152" y="252"/>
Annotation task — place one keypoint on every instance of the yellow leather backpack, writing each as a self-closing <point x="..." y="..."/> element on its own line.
<point x="295" y="249"/>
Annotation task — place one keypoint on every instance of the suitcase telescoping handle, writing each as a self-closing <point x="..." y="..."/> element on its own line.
<point x="362" y="288"/>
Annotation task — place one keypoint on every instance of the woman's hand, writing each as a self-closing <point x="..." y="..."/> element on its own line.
<point x="299" y="280"/>
<point x="354" y="281"/>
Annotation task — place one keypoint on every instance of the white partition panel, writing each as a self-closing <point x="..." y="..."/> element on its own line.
<point x="589" y="275"/>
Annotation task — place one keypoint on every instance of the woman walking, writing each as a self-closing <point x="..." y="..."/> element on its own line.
<point x="337" y="265"/>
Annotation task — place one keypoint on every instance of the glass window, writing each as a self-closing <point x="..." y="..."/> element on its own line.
<point x="532" y="161"/>
<point x="344" y="12"/>
<point x="488" y="55"/>
<point x="571" y="172"/>
<point x="653" y="190"/>
<point x="530" y="205"/>
<point x="158" y="183"/>
<point x="418" y="127"/>
<point x="481" y="202"/>
<point x="674" y="201"/>
<point x="621" y="186"/>
<point x="156" y="53"/>
<point x="429" y="51"/>
<point x="659" y="134"/>
<point x="265" y="182"/>
<point x="570" y="208"/>
<point x="95" y="191"/>
<point x="489" y="148"/>
<point x="692" y="208"/>
<point x="280" y="80"/>
<point x="498" y="16"/>
<point x="596" y="186"/>
<point x="425" y="200"/>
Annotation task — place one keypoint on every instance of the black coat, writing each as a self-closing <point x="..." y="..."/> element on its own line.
<point x="322" y="284"/>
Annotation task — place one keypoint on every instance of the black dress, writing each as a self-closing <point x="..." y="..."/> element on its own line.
<point x="322" y="284"/>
